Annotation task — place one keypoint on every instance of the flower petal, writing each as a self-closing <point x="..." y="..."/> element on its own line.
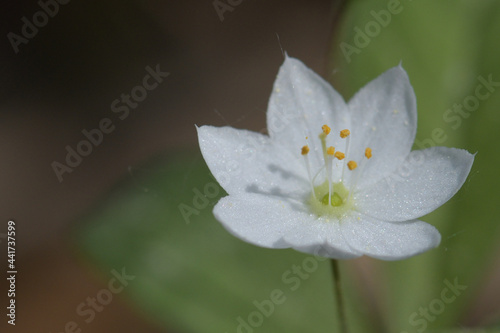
<point x="384" y="118"/>
<point x="300" y="104"/>
<point x="259" y="219"/>
<point x="322" y="238"/>
<point x="388" y="240"/>
<point x="426" y="180"/>
<point x="280" y="223"/>
<point x="245" y="161"/>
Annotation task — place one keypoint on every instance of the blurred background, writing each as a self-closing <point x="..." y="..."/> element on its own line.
<point x="118" y="207"/>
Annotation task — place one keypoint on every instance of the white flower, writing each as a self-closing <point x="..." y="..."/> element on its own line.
<point x="280" y="185"/>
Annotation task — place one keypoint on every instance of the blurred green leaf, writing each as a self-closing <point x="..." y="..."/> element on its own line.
<point x="196" y="277"/>
<point x="445" y="46"/>
<point x="490" y="330"/>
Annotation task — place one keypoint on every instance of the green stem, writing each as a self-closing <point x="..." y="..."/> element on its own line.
<point x="338" y="295"/>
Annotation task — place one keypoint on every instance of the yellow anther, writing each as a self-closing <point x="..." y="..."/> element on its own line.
<point x="344" y="133"/>
<point x="352" y="165"/>
<point x="305" y="150"/>
<point x="339" y="155"/>
<point x="330" y="150"/>
<point x="326" y="129"/>
<point x="368" y="153"/>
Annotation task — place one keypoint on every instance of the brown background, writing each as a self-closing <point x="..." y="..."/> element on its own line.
<point x="64" y="80"/>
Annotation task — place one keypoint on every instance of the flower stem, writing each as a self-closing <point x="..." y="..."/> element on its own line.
<point x="338" y="295"/>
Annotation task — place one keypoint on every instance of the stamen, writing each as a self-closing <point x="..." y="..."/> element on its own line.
<point x="305" y="151"/>
<point x="368" y="153"/>
<point x="322" y="136"/>
<point x="339" y="155"/>
<point x="330" y="152"/>
<point x="337" y="195"/>
<point x="344" y="133"/>
<point x="327" y="156"/>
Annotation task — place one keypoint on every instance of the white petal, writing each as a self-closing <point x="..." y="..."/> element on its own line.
<point x="389" y="240"/>
<point x="281" y="223"/>
<point x="427" y="179"/>
<point x="300" y="104"/>
<point x="384" y="118"/>
<point x="259" y="219"/>
<point x="322" y="238"/>
<point x="244" y="161"/>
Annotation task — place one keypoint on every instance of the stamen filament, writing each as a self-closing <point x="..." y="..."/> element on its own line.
<point x="305" y="151"/>
<point x="327" y="153"/>
<point x="322" y="137"/>
<point x="330" y="152"/>
<point x="345" y="134"/>
<point x="368" y="155"/>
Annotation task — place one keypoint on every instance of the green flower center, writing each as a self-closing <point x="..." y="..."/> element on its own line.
<point x="340" y="202"/>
